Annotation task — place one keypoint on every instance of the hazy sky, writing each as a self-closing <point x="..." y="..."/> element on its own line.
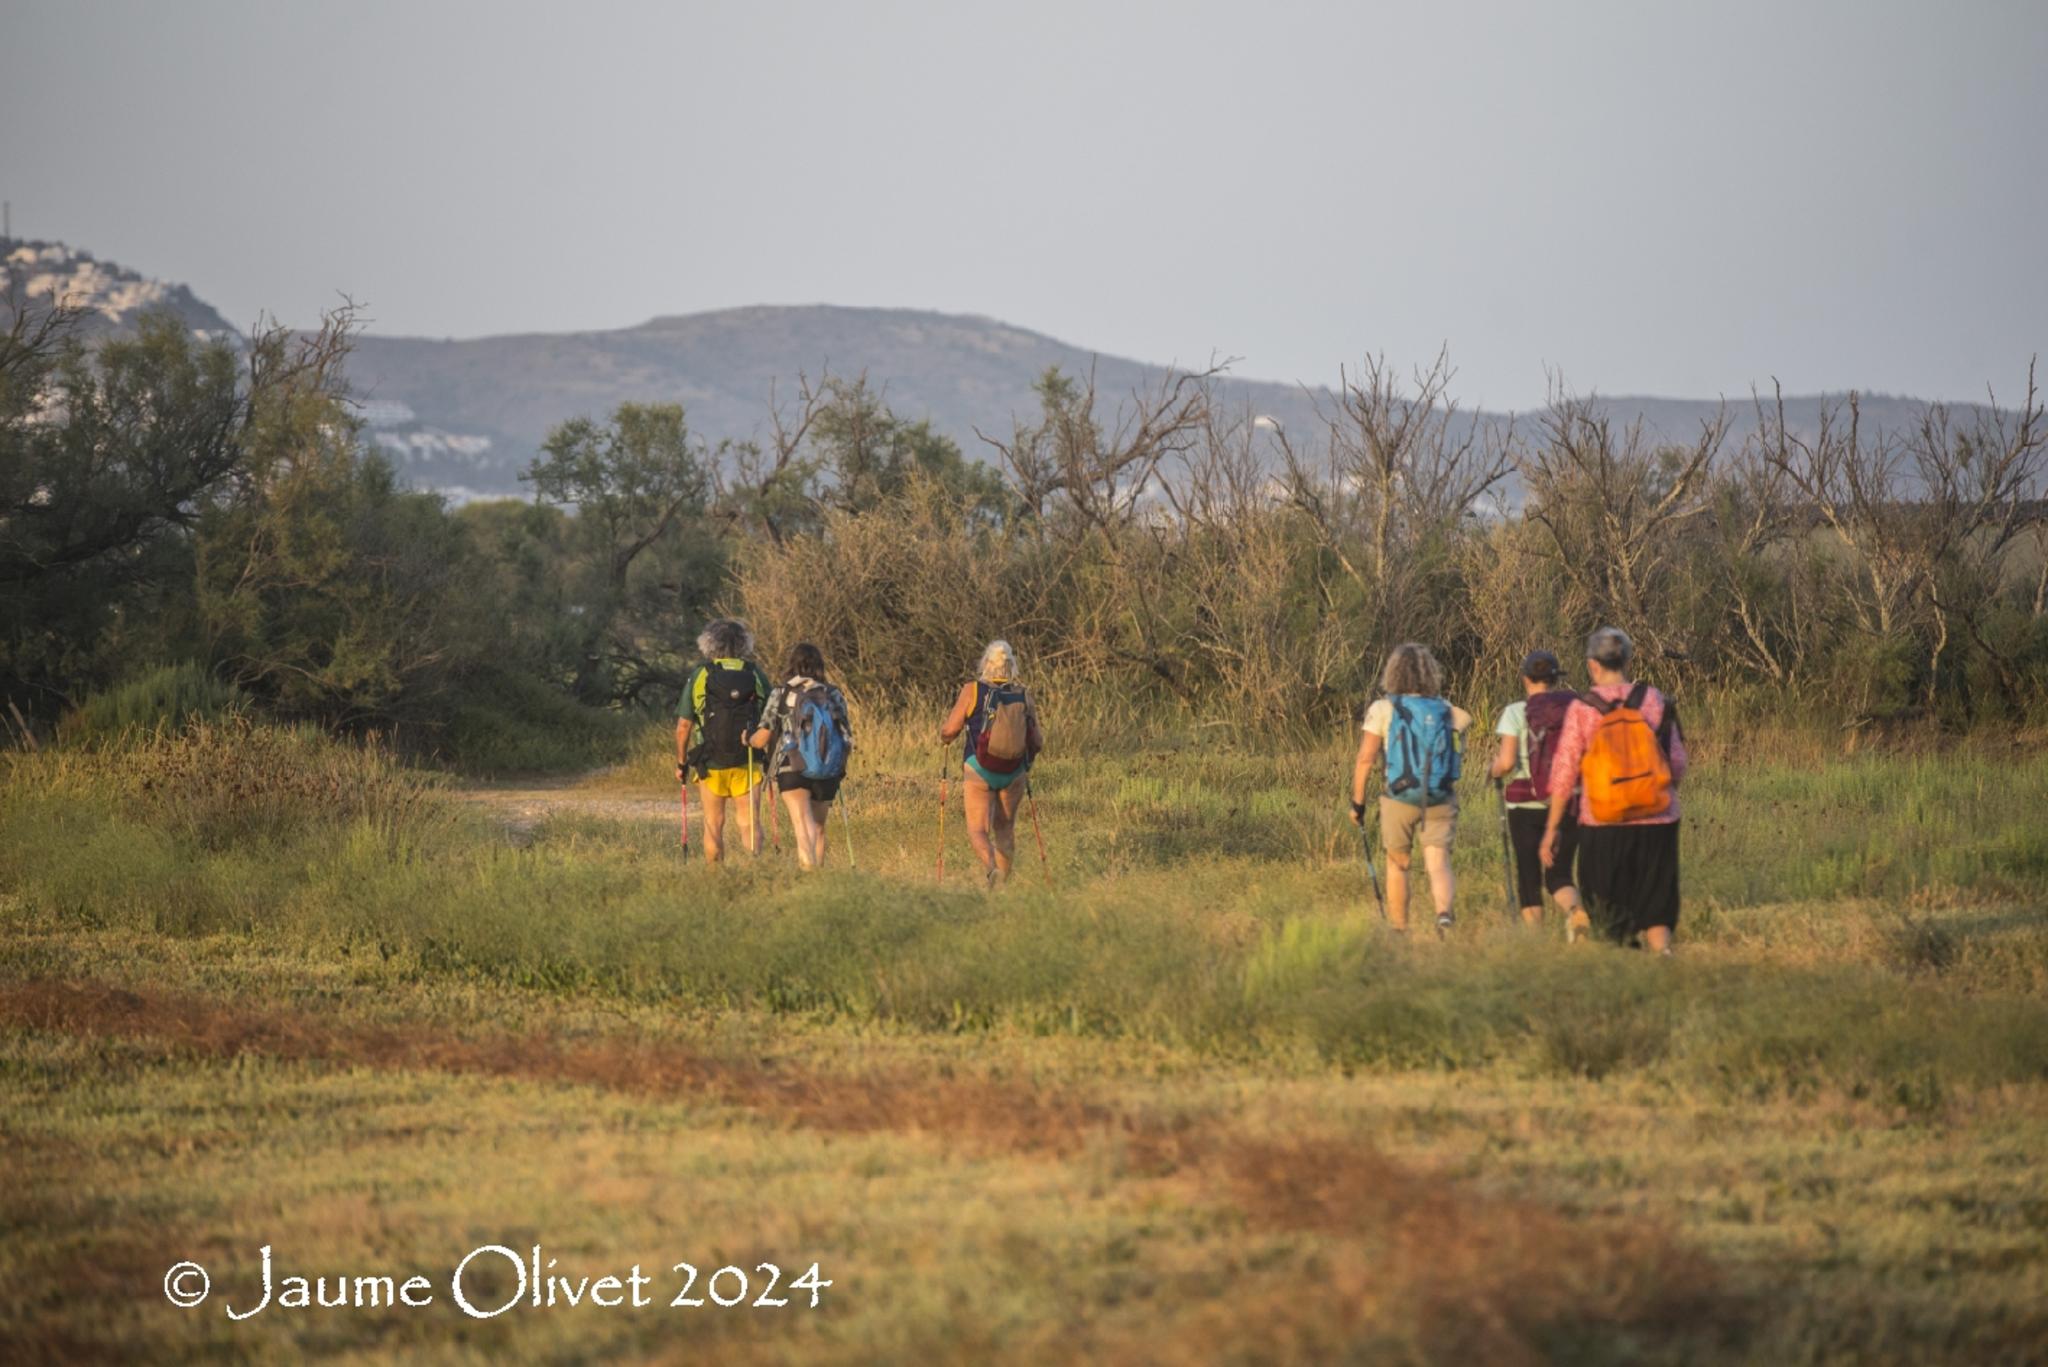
<point x="1662" y="198"/>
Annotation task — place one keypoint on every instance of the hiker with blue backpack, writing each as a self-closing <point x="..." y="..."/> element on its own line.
<point x="1420" y="736"/>
<point x="1001" y="726"/>
<point x="805" y="732"/>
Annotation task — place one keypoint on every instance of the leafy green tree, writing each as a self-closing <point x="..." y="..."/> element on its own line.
<point x="108" y="459"/>
<point x="100" y="452"/>
<point x="629" y="480"/>
<point x="871" y="455"/>
<point x="323" y="586"/>
<point x="647" y="563"/>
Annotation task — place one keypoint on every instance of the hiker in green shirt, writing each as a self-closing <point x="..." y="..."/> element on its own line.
<point x="721" y="705"/>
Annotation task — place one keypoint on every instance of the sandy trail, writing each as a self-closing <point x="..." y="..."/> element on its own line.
<point x="521" y="808"/>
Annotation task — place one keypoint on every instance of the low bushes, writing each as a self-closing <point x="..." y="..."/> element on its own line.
<point x="1154" y="927"/>
<point x="168" y="697"/>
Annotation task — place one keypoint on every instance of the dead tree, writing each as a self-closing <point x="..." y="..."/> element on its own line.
<point x="1085" y="484"/>
<point x="1616" y="507"/>
<point x="1400" y="474"/>
<point x="770" y="489"/>
<point x="1928" y="517"/>
<point x="1070" y="463"/>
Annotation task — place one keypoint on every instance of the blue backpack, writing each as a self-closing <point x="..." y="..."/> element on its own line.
<point x="1423" y="763"/>
<point x="816" y="736"/>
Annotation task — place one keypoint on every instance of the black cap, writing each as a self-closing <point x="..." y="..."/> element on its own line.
<point x="1542" y="666"/>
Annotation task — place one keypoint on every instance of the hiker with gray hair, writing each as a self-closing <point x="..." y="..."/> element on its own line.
<point x="715" y="718"/>
<point x="1623" y="751"/>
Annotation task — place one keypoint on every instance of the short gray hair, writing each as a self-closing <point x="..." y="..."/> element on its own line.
<point x="1610" y="648"/>
<point x="1411" y="669"/>
<point x="726" y="639"/>
<point x="998" y="663"/>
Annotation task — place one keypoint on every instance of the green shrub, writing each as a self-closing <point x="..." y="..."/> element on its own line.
<point x="170" y="697"/>
<point x="511" y="723"/>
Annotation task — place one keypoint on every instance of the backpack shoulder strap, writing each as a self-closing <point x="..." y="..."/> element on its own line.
<point x="1637" y="694"/>
<point x="1668" y="725"/>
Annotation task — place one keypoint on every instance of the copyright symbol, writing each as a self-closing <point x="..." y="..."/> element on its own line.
<point x="186" y="1285"/>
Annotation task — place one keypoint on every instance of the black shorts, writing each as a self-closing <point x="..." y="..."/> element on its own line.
<point x="1525" y="828"/>
<point x="820" y="789"/>
<point x="1629" y="877"/>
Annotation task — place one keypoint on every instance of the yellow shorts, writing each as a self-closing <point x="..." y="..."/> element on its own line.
<point x="733" y="782"/>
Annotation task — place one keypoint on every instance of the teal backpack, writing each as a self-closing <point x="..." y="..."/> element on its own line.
<point x="1423" y="763"/>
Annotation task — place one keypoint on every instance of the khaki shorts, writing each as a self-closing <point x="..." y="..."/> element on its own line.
<point x="1399" y="822"/>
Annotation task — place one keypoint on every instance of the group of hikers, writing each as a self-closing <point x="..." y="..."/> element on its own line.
<point x="1589" y="780"/>
<point x="736" y="732"/>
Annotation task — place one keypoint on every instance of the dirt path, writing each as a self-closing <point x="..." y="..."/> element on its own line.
<point x="523" y="807"/>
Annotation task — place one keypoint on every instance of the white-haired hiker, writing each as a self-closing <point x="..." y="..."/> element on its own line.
<point x="719" y="709"/>
<point x="1419" y="735"/>
<point x="1624" y="751"/>
<point x="1003" y="739"/>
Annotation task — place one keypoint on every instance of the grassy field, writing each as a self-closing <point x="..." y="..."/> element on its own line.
<point x="1173" y="1096"/>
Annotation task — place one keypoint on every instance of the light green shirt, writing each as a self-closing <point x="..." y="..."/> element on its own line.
<point x="1514" y="721"/>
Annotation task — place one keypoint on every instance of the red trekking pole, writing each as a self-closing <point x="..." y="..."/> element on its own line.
<point x="1031" y="801"/>
<point x="939" y="875"/>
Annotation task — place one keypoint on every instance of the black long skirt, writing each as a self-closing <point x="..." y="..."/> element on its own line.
<point x="1629" y="878"/>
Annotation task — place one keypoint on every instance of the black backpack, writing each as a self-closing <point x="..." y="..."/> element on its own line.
<point x="732" y="708"/>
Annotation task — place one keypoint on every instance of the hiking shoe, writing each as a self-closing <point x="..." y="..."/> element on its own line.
<point x="1444" y="922"/>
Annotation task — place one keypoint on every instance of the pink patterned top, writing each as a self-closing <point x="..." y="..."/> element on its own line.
<point x="1579" y="722"/>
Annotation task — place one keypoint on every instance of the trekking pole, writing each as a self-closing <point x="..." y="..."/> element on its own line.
<point x="1507" y="854"/>
<point x="846" y="824"/>
<point x="754" y="800"/>
<point x="1365" y="841"/>
<point x="1031" y="801"/>
<point x="940" y="876"/>
<point x="683" y="837"/>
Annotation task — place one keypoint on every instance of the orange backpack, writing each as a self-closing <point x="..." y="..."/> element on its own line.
<point x="1626" y="773"/>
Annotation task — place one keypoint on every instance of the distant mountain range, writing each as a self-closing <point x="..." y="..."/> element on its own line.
<point x="466" y="416"/>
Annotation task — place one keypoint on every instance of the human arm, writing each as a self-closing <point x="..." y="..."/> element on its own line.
<point x="1564" y="788"/>
<point x="1369" y="745"/>
<point x="765" y="696"/>
<point x="771" y="719"/>
<point x="1676" y="755"/>
<point x="956" y="720"/>
<point x="686" y="722"/>
<point x="1509" y="729"/>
